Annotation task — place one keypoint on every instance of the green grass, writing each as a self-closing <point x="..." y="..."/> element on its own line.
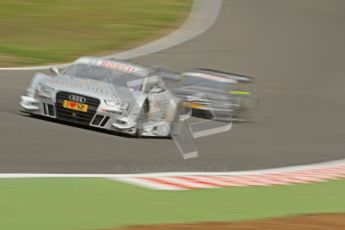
<point x="98" y="203"/>
<point x="50" y="31"/>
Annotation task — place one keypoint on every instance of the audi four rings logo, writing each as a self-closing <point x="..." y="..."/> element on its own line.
<point x="77" y="98"/>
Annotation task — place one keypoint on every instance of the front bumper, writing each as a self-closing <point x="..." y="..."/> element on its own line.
<point x="98" y="118"/>
<point x="101" y="118"/>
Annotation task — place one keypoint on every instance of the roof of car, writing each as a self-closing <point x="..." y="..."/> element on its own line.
<point x="121" y="66"/>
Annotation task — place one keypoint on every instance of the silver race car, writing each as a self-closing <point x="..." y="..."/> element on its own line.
<point x="107" y="94"/>
<point x="218" y="95"/>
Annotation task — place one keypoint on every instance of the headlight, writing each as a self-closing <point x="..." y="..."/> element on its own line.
<point x="117" y="105"/>
<point x="45" y="91"/>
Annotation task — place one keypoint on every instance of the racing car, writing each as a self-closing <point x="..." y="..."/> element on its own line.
<point x="107" y="94"/>
<point x="134" y="99"/>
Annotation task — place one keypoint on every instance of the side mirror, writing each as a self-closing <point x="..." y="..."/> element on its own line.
<point x="54" y="70"/>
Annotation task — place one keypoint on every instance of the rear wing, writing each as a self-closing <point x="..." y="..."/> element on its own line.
<point x="227" y="75"/>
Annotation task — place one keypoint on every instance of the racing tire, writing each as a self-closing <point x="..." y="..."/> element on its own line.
<point x="142" y="118"/>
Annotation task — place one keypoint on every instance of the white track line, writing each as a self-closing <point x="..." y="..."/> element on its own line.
<point x="203" y="15"/>
<point x="146" y="184"/>
<point x="195" y="180"/>
<point x="324" y="165"/>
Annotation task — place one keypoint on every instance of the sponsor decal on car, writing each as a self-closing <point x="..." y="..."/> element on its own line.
<point x="75" y="106"/>
<point x="118" y="66"/>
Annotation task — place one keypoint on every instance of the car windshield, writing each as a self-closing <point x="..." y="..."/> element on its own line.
<point x="106" y="75"/>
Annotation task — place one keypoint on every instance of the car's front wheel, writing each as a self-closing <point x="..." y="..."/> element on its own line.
<point x="142" y="118"/>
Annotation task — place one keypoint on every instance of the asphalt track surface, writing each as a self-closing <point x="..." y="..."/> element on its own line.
<point x="296" y="51"/>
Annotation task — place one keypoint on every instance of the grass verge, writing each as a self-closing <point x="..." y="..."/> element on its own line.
<point x="41" y="32"/>
<point x="99" y="203"/>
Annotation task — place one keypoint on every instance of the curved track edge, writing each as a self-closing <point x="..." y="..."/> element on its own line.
<point x="202" y="16"/>
<point x="195" y="180"/>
